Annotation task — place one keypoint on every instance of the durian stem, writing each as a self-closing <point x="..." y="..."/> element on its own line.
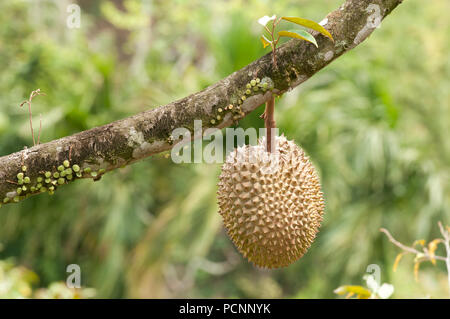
<point x="269" y="121"/>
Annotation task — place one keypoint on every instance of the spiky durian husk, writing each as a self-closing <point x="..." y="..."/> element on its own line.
<point x="271" y="203"/>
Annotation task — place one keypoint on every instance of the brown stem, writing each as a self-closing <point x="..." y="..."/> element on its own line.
<point x="269" y="121"/>
<point x="40" y="129"/>
<point x="274" y="42"/>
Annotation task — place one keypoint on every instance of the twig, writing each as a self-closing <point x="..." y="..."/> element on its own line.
<point x="446" y="236"/>
<point x="426" y="254"/>
<point x="32" y="95"/>
<point x="410" y="249"/>
<point x="40" y="128"/>
<point x="274" y="42"/>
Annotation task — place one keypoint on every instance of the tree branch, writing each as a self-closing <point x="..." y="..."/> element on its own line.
<point x="126" y="141"/>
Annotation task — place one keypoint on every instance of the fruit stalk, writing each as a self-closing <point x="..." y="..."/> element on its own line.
<point x="269" y="122"/>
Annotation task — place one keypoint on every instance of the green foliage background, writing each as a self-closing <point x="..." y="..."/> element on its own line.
<point x="376" y="123"/>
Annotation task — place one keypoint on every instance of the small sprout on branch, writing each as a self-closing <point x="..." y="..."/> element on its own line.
<point x="273" y="39"/>
<point x="32" y="95"/>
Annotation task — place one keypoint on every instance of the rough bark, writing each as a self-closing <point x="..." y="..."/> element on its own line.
<point x="128" y="140"/>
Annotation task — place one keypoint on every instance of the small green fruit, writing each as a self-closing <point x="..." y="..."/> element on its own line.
<point x="55" y="175"/>
<point x="60" y="168"/>
<point x="48" y="174"/>
<point x="20" y="176"/>
<point x="26" y="180"/>
<point x="24" y="168"/>
<point x="61" y="181"/>
<point x="76" y="168"/>
<point x="66" y="163"/>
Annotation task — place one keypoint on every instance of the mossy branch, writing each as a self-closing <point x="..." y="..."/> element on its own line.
<point x="126" y="141"/>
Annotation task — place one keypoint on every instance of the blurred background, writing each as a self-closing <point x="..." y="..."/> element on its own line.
<point x="376" y="123"/>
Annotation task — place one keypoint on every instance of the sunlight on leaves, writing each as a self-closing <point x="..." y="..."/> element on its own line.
<point x="349" y="291"/>
<point x="432" y="246"/>
<point x="298" y="34"/>
<point x="309" y="24"/>
<point x="416" y="270"/>
<point x="419" y="242"/>
<point x="266" y="42"/>
<point x="397" y="260"/>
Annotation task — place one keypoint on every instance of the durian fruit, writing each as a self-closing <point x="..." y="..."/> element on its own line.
<point x="271" y="203"/>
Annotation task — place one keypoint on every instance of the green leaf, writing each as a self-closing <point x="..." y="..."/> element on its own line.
<point x="266" y="42"/>
<point x="298" y="34"/>
<point x="309" y="24"/>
